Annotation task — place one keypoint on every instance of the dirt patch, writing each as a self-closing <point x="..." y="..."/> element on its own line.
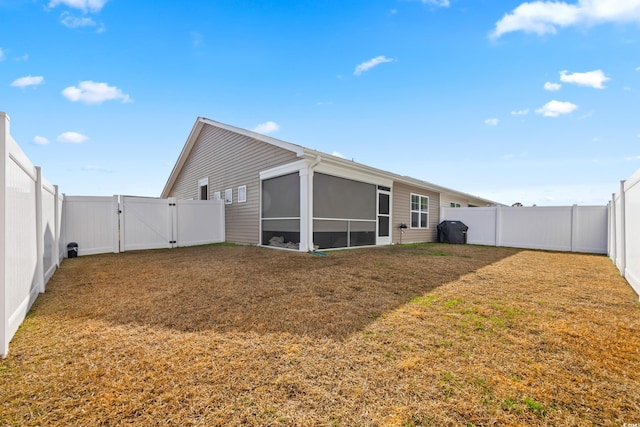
<point x="412" y="335"/>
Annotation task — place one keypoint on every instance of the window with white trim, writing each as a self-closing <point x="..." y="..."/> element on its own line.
<point x="454" y="205"/>
<point x="228" y="196"/>
<point x="419" y="211"/>
<point x="203" y="189"/>
<point x="216" y="195"/>
<point x="242" y="193"/>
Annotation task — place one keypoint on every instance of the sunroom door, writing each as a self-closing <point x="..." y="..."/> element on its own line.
<point x="383" y="234"/>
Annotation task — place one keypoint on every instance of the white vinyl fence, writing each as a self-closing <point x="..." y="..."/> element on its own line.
<point x="624" y="230"/>
<point x="126" y="223"/>
<point x="562" y="228"/>
<point x="30" y="221"/>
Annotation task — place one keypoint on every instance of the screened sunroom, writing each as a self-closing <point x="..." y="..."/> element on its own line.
<point x="307" y="210"/>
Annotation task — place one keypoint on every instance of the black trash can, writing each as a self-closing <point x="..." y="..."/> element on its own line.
<point x="452" y="232"/>
<point x="72" y="250"/>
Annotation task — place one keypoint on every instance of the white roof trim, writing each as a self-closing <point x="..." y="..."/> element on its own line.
<point x="299" y="150"/>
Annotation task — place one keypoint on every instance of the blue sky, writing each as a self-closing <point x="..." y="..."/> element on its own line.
<point x="533" y="102"/>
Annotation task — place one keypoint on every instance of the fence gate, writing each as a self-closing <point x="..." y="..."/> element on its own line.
<point x="146" y="223"/>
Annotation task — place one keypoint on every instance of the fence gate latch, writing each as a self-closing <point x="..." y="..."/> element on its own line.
<point x="172" y="241"/>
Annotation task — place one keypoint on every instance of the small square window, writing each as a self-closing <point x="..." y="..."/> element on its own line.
<point x="228" y="196"/>
<point x="216" y="195"/>
<point x="242" y="193"/>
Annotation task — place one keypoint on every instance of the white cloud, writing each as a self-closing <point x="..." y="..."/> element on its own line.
<point x="84" y="5"/>
<point x="556" y="108"/>
<point x="1" y="54"/>
<point x="594" y="79"/>
<point x="437" y="3"/>
<point x="267" y="127"/>
<point x="492" y="122"/>
<point x="40" y="140"/>
<point x="545" y="17"/>
<point x="338" y="154"/>
<point x="632" y="158"/>
<point x="520" y="112"/>
<point x="28" y="81"/>
<point x="373" y="62"/>
<point x="91" y="92"/>
<point x="72" y="137"/>
<point x="70" y="21"/>
<point x="552" y="87"/>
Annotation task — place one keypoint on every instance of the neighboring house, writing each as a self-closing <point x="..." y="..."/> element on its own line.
<point x="285" y="195"/>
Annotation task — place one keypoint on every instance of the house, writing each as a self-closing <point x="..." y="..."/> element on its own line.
<point x="285" y="195"/>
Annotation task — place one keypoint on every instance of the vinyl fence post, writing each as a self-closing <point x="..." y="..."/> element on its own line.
<point x="612" y="228"/>
<point x="56" y="226"/>
<point x="498" y="226"/>
<point x="574" y="227"/>
<point x="39" y="232"/>
<point x="118" y="243"/>
<point x="4" y="321"/>
<point x="623" y="231"/>
<point x="175" y="233"/>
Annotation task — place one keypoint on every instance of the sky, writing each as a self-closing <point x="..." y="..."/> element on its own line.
<point x="530" y="102"/>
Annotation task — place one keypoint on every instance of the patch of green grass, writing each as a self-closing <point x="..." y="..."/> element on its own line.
<point x="438" y="252"/>
<point x="452" y="303"/>
<point x="445" y="343"/>
<point x="424" y="300"/>
<point x="535" y="406"/>
<point x="509" y="404"/>
<point x="418" y="421"/>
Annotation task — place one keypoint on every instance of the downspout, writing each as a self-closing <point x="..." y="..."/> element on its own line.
<point x="309" y="230"/>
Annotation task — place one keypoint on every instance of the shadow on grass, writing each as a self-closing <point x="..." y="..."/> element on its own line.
<point x="250" y="289"/>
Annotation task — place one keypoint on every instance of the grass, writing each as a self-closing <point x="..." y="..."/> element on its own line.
<point x="235" y="335"/>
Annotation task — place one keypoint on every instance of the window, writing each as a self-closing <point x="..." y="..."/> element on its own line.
<point x="242" y="193"/>
<point x="216" y="195"/>
<point x="419" y="211"/>
<point x="203" y="189"/>
<point x="454" y="205"/>
<point x="228" y="196"/>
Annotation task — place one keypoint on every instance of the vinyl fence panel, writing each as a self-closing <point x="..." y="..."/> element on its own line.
<point x="49" y="229"/>
<point x="561" y="228"/>
<point x="537" y="228"/>
<point x="481" y="223"/>
<point x="146" y="223"/>
<point x="594" y="219"/>
<point x="92" y="223"/>
<point x="199" y="222"/>
<point x="21" y="268"/>
<point x="632" y="231"/>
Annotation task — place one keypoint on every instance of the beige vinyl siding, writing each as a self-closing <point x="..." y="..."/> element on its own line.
<point x="230" y="160"/>
<point x="447" y="199"/>
<point x="402" y="214"/>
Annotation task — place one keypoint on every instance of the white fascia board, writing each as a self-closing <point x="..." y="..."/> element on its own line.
<point x="285" y="169"/>
<point x="299" y="150"/>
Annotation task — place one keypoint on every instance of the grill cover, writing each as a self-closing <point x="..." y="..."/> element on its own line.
<point x="452" y="232"/>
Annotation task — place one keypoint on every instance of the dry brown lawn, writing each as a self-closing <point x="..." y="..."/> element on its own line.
<point x="396" y="336"/>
